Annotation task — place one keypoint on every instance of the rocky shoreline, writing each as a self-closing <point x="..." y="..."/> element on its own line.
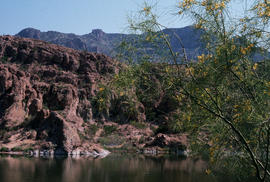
<point x="101" y="153"/>
<point x="96" y="154"/>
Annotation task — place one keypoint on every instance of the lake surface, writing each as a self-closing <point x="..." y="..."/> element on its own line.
<point x="113" y="168"/>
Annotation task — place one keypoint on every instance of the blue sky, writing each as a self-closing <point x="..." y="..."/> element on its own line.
<point x="81" y="16"/>
<point x="76" y="16"/>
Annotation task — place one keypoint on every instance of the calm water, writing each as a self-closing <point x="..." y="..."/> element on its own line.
<point x="114" y="168"/>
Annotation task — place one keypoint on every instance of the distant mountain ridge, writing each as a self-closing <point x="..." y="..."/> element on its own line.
<point x="106" y="43"/>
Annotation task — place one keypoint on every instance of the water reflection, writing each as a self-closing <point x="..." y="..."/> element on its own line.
<point x="120" y="168"/>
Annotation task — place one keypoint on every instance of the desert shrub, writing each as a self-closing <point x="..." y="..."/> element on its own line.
<point x="28" y="149"/>
<point x="138" y="125"/>
<point x="101" y="102"/>
<point x="111" y="140"/>
<point x="4" y="149"/>
<point x="92" y="129"/>
<point x="109" y="129"/>
<point x="4" y="59"/>
<point x="16" y="149"/>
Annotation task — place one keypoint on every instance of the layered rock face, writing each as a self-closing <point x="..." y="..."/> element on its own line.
<point x="48" y="103"/>
<point x="45" y="93"/>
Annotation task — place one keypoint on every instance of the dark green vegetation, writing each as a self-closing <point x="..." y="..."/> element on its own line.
<point x="222" y="100"/>
<point x="144" y="93"/>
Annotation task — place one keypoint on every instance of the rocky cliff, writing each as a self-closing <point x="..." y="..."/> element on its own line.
<point x="46" y="102"/>
<point x="45" y="93"/>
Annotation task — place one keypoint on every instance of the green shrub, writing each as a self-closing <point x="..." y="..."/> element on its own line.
<point x="2" y="133"/>
<point x="92" y="129"/>
<point x="101" y="102"/>
<point x="111" y="140"/>
<point x="16" y="149"/>
<point x="142" y="140"/>
<point x="4" y="149"/>
<point x="138" y="125"/>
<point x="4" y="60"/>
<point x="108" y="130"/>
<point x="26" y="150"/>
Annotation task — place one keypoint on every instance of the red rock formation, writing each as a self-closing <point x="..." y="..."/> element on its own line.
<point x="45" y="92"/>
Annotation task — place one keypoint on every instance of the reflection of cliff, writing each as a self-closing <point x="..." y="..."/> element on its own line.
<point x="77" y="170"/>
<point x="112" y="168"/>
<point x="28" y="169"/>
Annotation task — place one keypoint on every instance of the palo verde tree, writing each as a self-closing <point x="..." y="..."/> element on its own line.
<point x="226" y="92"/>
<point x="231" y="83"/>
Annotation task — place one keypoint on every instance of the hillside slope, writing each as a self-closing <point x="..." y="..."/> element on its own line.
<point x="106" y="43"/>
<point x="47" y="102"/>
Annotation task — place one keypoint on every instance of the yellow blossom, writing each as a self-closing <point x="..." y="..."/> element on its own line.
<point x="208" y="171"/>
<point x="198" y="26"/>
<point x="243" y="51"/>
<point x="233" y="47"/>
<point x="201" y="58"/>
<point x="121" y="93"/>
<point x="255" y="66"/>
<point x="190" y="70"/>
<point x="236" y="106"/>
<point x="101" y="100"/>
<point x="186" y="4"/>
<point x="147" y="10"/>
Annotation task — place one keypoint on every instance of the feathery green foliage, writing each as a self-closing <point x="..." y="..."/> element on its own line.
<point x="224" y="97"/>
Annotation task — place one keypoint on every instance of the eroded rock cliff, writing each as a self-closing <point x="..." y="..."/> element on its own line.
<point x="47" y="103"/>
<point x="45" y="93"/>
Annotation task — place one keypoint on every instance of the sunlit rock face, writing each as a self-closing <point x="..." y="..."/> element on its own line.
<point x="45" y="93"/>
<point x="48" y="99"/>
